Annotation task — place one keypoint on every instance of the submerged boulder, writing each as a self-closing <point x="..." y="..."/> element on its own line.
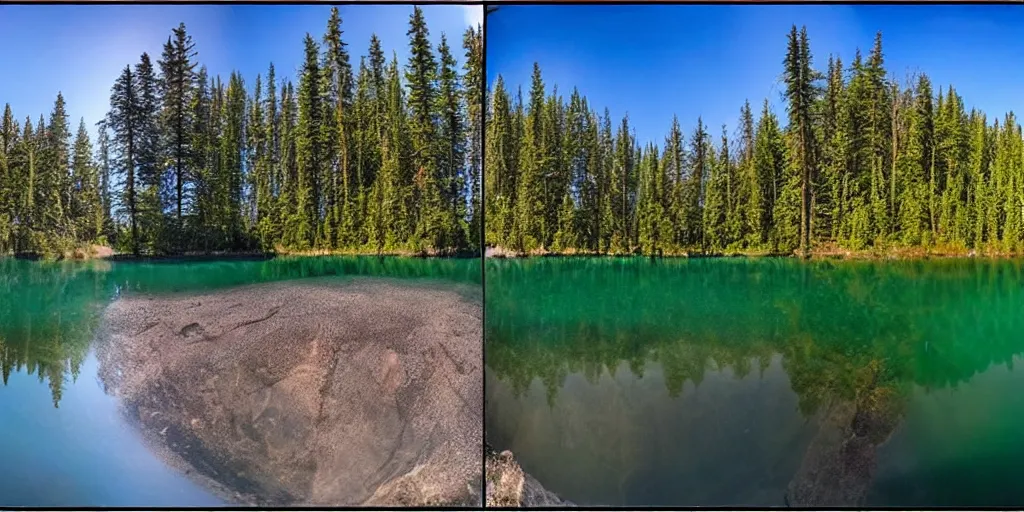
<point x="323" y="392"/>
<point x="509" y="486"/>
<point x="838" y="467"/>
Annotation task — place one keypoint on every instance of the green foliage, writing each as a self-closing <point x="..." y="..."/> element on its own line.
<point x="186" y="162"/>
<point x="864" y="161"/>
<point x="473" y="85"/>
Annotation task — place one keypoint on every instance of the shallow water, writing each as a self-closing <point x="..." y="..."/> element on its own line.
<point x="65" y="439"/>
<point x="735" y="381"/>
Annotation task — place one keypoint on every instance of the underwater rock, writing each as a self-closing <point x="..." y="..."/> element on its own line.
<point x="324" y="392"/>
<point x="509" y="486"/>
<point x="839" y="465"/>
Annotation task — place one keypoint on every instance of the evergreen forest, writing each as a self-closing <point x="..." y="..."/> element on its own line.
<point x="373" y="156"/>
<point x="861" y="160"/>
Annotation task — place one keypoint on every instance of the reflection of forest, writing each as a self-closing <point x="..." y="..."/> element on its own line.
<point x="854" y="337"/>
<point x="49" y="311"/>
<point x="844" y="329"/>
<point x="47" y="315"/>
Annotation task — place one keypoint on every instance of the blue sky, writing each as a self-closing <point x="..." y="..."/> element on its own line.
<point x="79" y="50"/>
<point x="653" y="61"/>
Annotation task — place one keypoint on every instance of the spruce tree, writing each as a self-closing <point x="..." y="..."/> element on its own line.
<point x="341" y="205"/>
<point x="54" y="190"/>
<point x="259" y="166"/>
<point x="799" y="98"/>
<point x="473" y="85"/>
<point x="178" y="76"/>
<point x="308" y="149"/>
<point x="695" y="188"/>
<point x="103" y="172"/>
<point x="499" y="167"/>
<point x="452" y="147"/>
<point x="201" y="162"/>
<point x="86" y="206"/>
<point x="123" y="122"/>
<point x="433" y="219"/>
<point x="8" y="212"/>
<point x="232" y="162"/>
<point x="716" y="207"/>
<point x="146" y="111"/>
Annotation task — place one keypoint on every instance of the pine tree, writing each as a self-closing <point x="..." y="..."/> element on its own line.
<point x="86" y="206"/>
<point x="695" y="187"/>
<point x="529" y="225"/>
<point x="621" y="190"/>
<point x="259" y="165"/>
<point x="799" y="99"/>
<point x="473" y="83"/>
<point x="336" y="89"/>
<point x="268" y="215"/>
<point x="24" y="161"/>
<point x="767" y="171"/>
<point x="178" y="76"/>
<point x="232" y="149"/>
<point x="365" y="147"/>
<point x="911" y="167"/>
<point x="54" y="190"/>
<point x="8" y="210"/>
<point x="651" y="209"/>
<point x="336" y="62"/>
<point x="716" y="207"/>
<point x="146" y="111"/>
<point x="202" y="162"/>
<point x="499" y="167"/>
<point x="452" y="148"/>
<point x="288" y="203"/>
<point x="421" y="73"/>
<point x="675" y="170"/>
<point x="393" y="223"/>
<point x="103" y="170"/>
<point x="308" y="149"/>
<point x="123" y="122"/>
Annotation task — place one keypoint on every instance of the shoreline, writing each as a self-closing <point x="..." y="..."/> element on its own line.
<point x="241" y="256"/>
<point x="820" y="254"/>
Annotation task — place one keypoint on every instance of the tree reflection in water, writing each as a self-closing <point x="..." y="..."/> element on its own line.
<point x="854" y="338"/>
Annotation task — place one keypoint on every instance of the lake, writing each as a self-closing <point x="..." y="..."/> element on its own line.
<point x="759" y="382"/>
<point x="65" y="438"/>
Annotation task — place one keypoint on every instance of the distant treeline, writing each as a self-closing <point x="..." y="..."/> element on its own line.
<point x="864" y="161"/>
<point x="384" y="159"/>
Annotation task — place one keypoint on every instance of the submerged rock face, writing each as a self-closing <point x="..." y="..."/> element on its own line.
<point x="839" y="465"/>
<point x="356" y="392"/>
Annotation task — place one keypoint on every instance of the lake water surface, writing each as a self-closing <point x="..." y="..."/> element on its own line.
<point x="64" y="438"/>
<point x="759" y="382"/>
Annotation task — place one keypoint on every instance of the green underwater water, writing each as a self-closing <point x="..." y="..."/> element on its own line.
<point x="724" y="381"/>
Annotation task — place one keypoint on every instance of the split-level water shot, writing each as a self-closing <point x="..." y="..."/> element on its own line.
<point x="240" y="255"/>
<point x="754" y="255"/>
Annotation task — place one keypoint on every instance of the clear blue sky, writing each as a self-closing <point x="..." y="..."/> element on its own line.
<point x="79" y="50"/>
<point x="653" y="61"/>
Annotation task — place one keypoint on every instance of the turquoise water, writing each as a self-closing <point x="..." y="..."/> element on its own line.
<point x="718" y="382"/>
<point x="65" y="440"/>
